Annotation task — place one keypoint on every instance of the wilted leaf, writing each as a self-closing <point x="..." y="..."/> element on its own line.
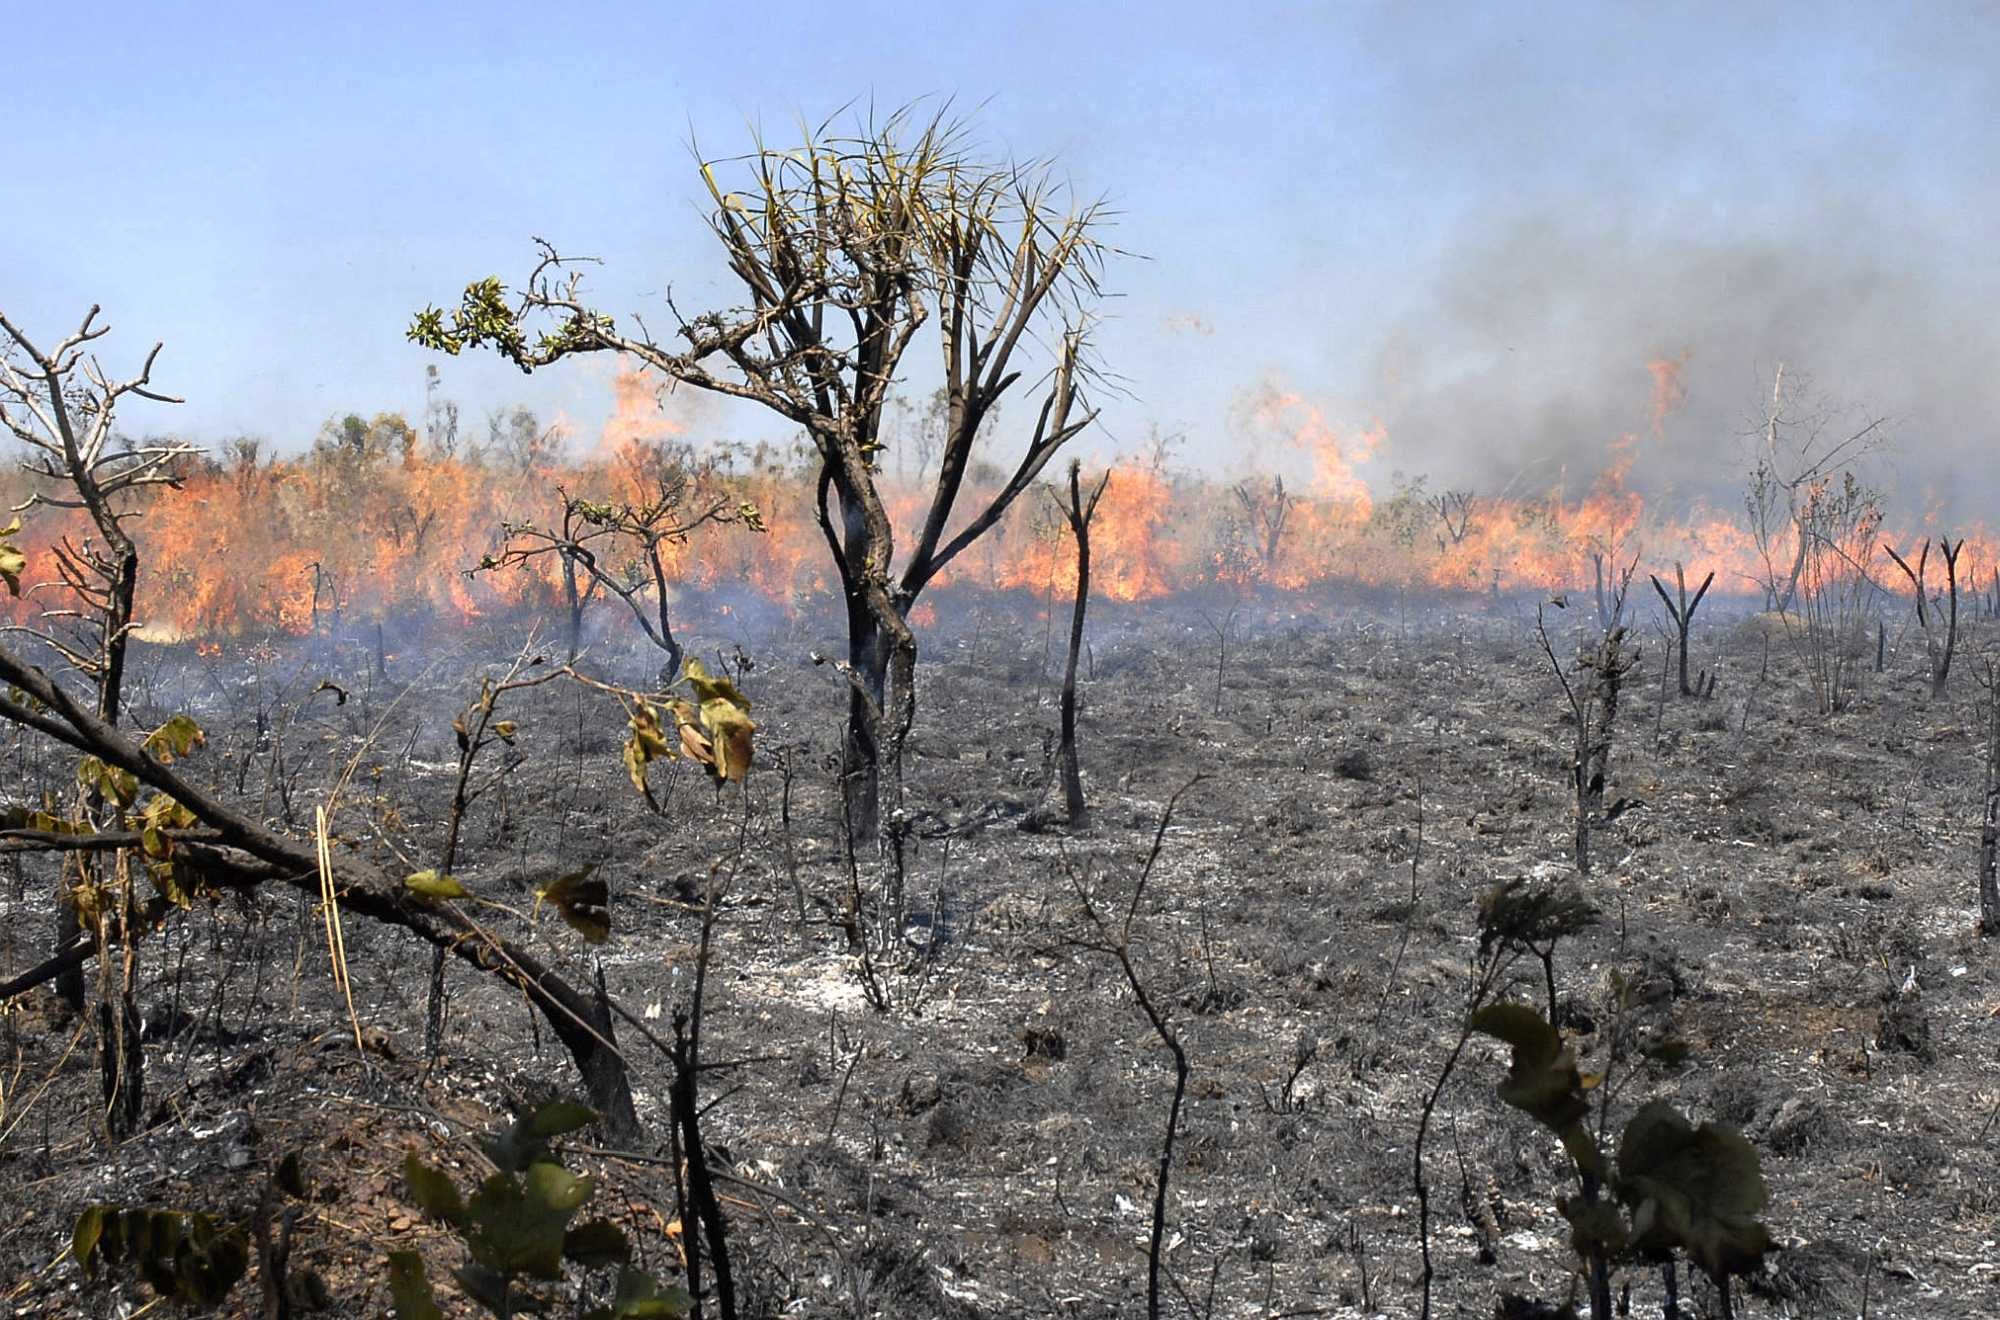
<point x="12" y="562"/>
<point x="645" y="744"/>
<point x="175" y="739"/>
<point x="434" y="885"/>
<point x="708" y="687"/>
<point x="729" y="734"/>
<point x="583" y="902"/>
<point x="89" y="1229"/>
<point x="1699" y="1189"/>
<point x="118" y="786"/>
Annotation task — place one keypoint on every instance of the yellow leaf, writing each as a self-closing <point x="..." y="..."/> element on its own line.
<point x="432" y="884"/>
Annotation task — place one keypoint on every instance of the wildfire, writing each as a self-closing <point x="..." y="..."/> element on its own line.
<point x="378" y="527"/>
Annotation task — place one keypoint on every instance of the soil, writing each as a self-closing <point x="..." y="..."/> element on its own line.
<point x="1793" y="896"/>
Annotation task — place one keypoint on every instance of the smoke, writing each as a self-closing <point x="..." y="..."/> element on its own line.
<point x="1539" y="348"/>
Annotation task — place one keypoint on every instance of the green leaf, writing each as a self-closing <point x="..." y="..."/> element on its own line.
<point x="1543" y="1081"/>
<point x="433" y="1191"/>
<point x="1699" y="1189"/>
<point x="527" y="1138"/>
<point x="409" y="1289"/>
<point x="434" y="885"/>
<point x="641" y="1297"/>
<point x="559" y="1118"/>
<point x="1596" y="1229"/>
<point x="597" y="1245"/>
<point x="496" y="1292"/>
<point x="518" y="1222"/>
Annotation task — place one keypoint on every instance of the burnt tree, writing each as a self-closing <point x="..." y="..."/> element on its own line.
<point x="1939" y="652"/>
<point x="1593" y="703"/>
<point x="1264" y="512"/>
<point x="844" y="249"/>
<point x="671" y="504"/>
<point x="1078" y="512"/>
<point x="1681" y="610"/>
<point x="63" y="408"/>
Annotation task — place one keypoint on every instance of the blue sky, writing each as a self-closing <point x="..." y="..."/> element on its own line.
<point x="1472" y="224"/>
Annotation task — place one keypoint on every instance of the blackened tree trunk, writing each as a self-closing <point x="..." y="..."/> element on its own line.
<point x="1682" y="613"/>
<point x="1079" y="513"/>
<point x="861" y="762"/>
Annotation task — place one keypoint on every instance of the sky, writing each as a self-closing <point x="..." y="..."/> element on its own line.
<point x="1470" y="227"/>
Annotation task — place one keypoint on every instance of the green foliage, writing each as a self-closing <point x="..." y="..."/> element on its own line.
<point x="1673" y="1187"/>
<point x="182" y="1255"/>
<point x="517" y="1231"/>
<point x="483" y="318"/>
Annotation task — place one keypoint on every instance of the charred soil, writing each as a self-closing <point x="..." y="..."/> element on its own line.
<point x="978" y="1132"/>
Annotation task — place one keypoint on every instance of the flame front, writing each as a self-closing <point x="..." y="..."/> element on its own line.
<point x="379" y="526"/>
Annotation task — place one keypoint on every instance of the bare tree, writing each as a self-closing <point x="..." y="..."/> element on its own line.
<point x="1454" y="510"/>
<point x="845" y="247"/>
<point x="1838" y="522"/>
<point x="63" y="407"/>
<point x="1939" y="651"/>
<point x="1799" y="448"/>
<point x="1079" y="512"/>
<point x="1681" y="611"/>
<point x="1265" y="508"/>
<point x="673" y="505"/>
<point x="1593" y="704"/>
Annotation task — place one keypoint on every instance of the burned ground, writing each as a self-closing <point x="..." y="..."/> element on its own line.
<point x="1795" y="899"/>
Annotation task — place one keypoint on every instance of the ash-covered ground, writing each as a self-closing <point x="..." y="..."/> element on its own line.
<point x="1795" y="899"/>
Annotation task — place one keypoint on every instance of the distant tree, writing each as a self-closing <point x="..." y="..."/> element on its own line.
<point x="845" y="248"/>
<point x="1802" y="451"/>
<point x="592" y="539"/>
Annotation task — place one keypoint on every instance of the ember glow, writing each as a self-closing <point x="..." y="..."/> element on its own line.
<point x="382" y="529"/>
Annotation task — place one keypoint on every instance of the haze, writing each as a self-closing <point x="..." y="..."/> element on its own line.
<point x="1471" y="227"/>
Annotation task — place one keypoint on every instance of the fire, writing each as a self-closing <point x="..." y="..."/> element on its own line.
<point x="372" y="525"/>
